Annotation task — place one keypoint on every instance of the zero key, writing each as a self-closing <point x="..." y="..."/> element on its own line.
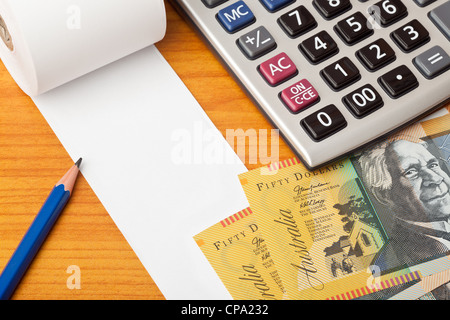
<point x="324" y="122"/>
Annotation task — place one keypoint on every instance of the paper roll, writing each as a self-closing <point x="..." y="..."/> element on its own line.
<point x="47" y="43"/>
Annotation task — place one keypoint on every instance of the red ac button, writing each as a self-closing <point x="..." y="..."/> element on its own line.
<point x="278" y="69"/>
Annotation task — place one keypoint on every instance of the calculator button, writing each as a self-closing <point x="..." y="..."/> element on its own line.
<point x="299" y="96"/>
<point x="256" y="43"/>
<point x="353" y="28"/>
<point x="432" y="62"/>
<point x="297" y="21"/>
<point x="410" y="36"/>
<point x="398" y="81"/>
<point x="331" y="8"/>
<point x="441" y="18"/>
<point x="235" y="16"/>
<point x="423" y="3"/>
<point x="387" y="12"/>
<point x="213" y="3"/>
<point x="278" y="69"/>
<point x="363" y="101"/>
<point x="274" y="5"/>
<point x="340" y="74"/>
<point x="376" y="55"/>
<point x="319" y="47"/>
<point x="324" y="122"/>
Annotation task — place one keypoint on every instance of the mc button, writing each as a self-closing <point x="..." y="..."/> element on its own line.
<point x="235" y="16"/>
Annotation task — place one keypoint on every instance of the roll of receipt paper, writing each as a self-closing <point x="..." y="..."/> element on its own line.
<point x="47" y="43"/>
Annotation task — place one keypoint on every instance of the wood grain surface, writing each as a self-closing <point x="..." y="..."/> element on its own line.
<point x="32" y="159"/>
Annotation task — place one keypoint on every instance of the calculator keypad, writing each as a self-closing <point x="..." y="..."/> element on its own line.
<point x="306" y="60"/>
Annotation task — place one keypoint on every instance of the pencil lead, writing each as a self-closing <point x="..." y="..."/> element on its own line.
<point x="78" y="163"/>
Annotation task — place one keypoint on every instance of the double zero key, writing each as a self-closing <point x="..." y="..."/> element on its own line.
<point x="324" y="123"/>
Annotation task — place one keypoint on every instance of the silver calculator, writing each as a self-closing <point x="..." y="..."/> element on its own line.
<point x="332" y="75"/>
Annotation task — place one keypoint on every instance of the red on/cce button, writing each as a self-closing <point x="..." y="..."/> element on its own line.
<point x="299" y="96"/>
<point x="278" y="69"/>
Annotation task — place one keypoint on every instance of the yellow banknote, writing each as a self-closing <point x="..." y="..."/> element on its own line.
<point x="237" y="250"/>
<point x="337" y="230"/>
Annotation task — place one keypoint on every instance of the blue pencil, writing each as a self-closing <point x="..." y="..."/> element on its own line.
<point x="38" y="231"/>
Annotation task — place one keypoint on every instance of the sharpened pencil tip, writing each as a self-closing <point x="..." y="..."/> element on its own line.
<point x="78" y="163"/>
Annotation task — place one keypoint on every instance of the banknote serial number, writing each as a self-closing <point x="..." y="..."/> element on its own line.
<point x="229" y="309"/>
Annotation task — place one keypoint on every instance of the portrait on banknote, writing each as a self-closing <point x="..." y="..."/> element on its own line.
<point x="408" y="180"/>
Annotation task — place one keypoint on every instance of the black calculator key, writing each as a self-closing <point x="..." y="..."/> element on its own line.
<point x="297" y="21"/>
<point x="331" y="8"/>
<point x="319" y="47"/>
<point x="387" y="12"/>
<point x="324" y="122"/>
<point x="340" y="74"/>
<point x="398" y="81"/>
<point x="354" y="28"/>
<point x="213" y="3"/>
<point x="376" y="55"/>
<point x="410" y="36"/>
<point x="363" y="101"/>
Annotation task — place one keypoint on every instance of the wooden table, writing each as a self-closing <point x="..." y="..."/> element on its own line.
<point x="32" y="159"/>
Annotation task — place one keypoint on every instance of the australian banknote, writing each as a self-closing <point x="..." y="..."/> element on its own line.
<point x="238" y="252"/>
<point x="360" y="221"/>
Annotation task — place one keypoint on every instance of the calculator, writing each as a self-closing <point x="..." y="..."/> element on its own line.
<point x="332" y="75"/>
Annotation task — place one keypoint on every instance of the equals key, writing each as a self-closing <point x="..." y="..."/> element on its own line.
<point x="432" y="62"/>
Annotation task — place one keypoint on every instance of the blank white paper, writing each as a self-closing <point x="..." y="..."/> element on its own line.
<point x="130" y="121"/>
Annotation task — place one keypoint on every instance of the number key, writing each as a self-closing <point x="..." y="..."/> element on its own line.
<point x="410" y="36"/>
<point x="387" y="12"/>
<point x="319" y="47"/>
<point x="324" y="122"/>
<point x="353" y="28"/>
<point x="340" y="74"/>
<point x="376" y="55"/>
<point x="363" y="101"/>
<point x="297" y="21"/>
<point x="331" y="8"/>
